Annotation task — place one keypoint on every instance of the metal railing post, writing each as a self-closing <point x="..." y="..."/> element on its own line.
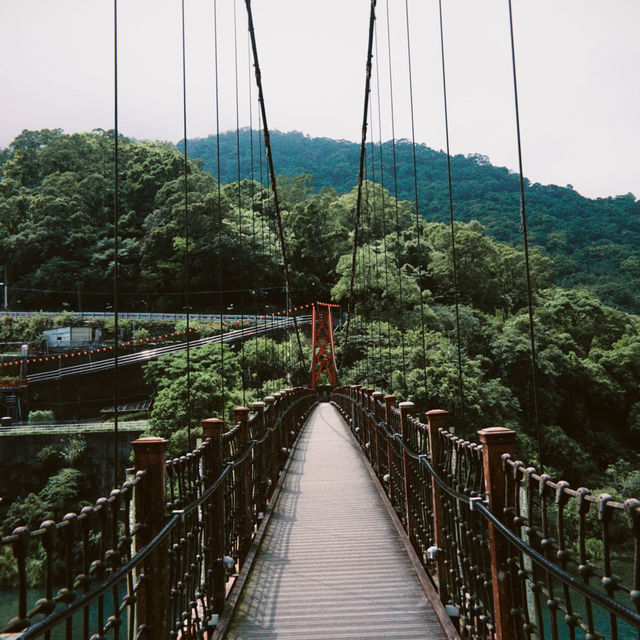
<point x="406" y="409"/>
<point x="261" y="452"/>
<point x="436" y="419"/>
<point x="377" y="399"/>
<point x="152" y="604"/>
<point x="389" y="402"/>
<point x="367" y="422"/>
<point x="357" y="417"/>
<point x="497" y="441"/>
<point x="273" y="444"/>
<point x="212" y="429"/>
<point x="241" y="415"/>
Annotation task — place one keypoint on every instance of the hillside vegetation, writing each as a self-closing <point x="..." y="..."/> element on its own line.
<point x="593" y="242"/>
<point x="56" y="212"/>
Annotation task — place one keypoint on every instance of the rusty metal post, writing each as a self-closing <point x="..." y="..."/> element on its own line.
<point x="273" y="443"/>
<point x="357" y="418"/>
<point x="497" y="441"/>
<point x="377" y="399"/>
<point x="406" y="410"/>
<point x="389" y="402"/>
<point x="368" y="426"/>
<point x="261" y="471"/>
<point x="241" y="415"/>
<point x="152" y="605"/>
<point x="436" y="419"/>
<point x="212" y="429"/>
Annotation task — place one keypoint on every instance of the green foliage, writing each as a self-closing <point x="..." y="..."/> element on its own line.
<point x="56" y="211"/>
<point x="42" y="416"/>
<point x="592" y="242"/>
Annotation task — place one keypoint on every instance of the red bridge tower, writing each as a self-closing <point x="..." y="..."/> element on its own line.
<point x="322" y="344"/>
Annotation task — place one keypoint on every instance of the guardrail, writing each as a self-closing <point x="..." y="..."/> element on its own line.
<point x="152" y="560"/>
<point x="70" y="428"/>
<point x="124" y="315"/>
<point x="140" y="357"/>
<point x="507" y="548"/>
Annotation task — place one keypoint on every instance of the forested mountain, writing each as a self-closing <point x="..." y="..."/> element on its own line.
<point x="593" y="242"/>
<point x="56" y="240"/>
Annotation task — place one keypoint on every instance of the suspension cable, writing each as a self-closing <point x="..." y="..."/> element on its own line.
<point x="415" y="191"/>
<point x="187" y="288"/>
<point x="116" y="189"/>
<point x="451" y="220"/>
<point x="375" y="248"/>
<point x="395" y="193"/>
<point x="383" y="212"/>
<point x="223" y="391"/>
<point x="267" y="144"/>
<point x="239" y="176"/>
<point x="363" y="151"/>
<point x="532" y="338"/>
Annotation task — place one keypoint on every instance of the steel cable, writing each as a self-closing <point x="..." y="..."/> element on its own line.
<point x="532" y="338"/>
<point x="395" y="194"/>
<point x="415" y="191"/>
<point x="274" y="187"/>
<point x="116" y="189"/>
<point x="363" y="149"/>
<point x="451" y="222"/>
<point x="187" y="279"/>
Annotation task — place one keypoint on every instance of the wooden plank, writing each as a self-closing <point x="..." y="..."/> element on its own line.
<point x="332" y="564"/>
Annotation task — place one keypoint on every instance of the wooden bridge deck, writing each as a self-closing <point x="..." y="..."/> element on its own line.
<point x="331" y="563"/>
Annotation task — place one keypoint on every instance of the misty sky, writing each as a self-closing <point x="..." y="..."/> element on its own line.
<point x="578" y="72"/>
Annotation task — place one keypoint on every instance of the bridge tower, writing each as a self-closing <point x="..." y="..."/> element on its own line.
<point x="322" y="344"/>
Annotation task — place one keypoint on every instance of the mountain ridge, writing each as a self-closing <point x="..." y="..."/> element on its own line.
<point x="594" y="242"/>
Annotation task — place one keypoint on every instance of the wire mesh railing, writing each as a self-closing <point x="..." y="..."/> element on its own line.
<point x="153" y="559"/>
<point x="513" y="554"/>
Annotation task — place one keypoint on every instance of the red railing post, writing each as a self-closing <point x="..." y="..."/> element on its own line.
<point x="152" y="605"/>
<point x="357" y="424"/>
<point x="497" y="441"/>
<point x="368" y="426"/>
<point x="273" y="443"/>
<point x="406" y="410"/>
<point x="241" y="415"/>
<point x="436" y="419"/>
<point x="212" y="429"/>
<point x="377" y="399"/>
<point x="261" y="452"/>
<point x="389" y="403"/>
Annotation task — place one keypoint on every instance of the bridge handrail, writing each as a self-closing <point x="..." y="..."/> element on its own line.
<point x="440" y="472"/>
<point x="185" y="529"/>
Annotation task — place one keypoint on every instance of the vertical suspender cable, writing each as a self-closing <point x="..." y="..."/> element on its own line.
<point x="453" y="232"/>
<point x="116" y="188"/>
<point x="263" y="222"/>
<point x="252" y="192"/>
<point x="274" y="188"/>
<point x="395" y="193"/>
<point x="223" y="391"/>
<point x="187" y="288"/>
<point x="239" y="175"/>
<point x="378" y="368"/>
<point x="383" y="213"/>
<point x="363" y="151"/>
<point x="252" y="166"/>
<point x="415" y="191"/>
<point x="532" y="338"/>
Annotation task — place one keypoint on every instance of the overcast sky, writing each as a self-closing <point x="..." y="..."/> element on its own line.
<point x="578" y="72"/>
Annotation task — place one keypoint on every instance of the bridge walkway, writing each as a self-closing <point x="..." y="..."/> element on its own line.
<point x="332" y="564"/>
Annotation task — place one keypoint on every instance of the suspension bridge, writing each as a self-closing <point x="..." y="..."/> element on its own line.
<point x="327" y="511"/>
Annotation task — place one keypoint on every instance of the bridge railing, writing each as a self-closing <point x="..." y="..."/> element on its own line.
<point x="154" y="558"/>
<point x="513" y="553"/>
